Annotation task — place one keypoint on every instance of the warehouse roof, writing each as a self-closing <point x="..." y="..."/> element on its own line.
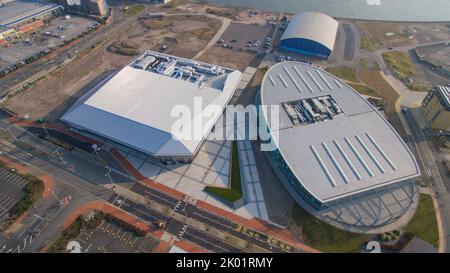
<point x="17" y="11"/>
<point x="313" y="26"/>
<point x="334" y="141"/>
<point x="139" y="107"/>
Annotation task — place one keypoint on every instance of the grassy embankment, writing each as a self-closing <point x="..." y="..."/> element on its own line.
<point x="233" y="193"/>
<point x="403" y="67"/>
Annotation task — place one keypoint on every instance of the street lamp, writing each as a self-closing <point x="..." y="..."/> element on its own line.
<point x="96" y="149"/>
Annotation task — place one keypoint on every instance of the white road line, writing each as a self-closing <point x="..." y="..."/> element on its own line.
<point x="14" y="180"/>
<point x="160" y="198"/>
<point x="209" y="243"/>
<point x="87" y="249"/>
<point x="215" y="221"/>
<point x="146" y="214"/>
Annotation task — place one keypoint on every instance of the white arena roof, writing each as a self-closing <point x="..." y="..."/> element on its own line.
<point x="134" y="106"/>
<point x="313" y="26"/>
<point x="349" y="148"/>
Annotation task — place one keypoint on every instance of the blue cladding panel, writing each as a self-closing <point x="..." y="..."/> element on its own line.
<point x="305" y="46"/>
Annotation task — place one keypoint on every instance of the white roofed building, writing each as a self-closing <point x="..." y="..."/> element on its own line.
<point x="310" y="33"/>
<point x="140" y="106"/>
<point x="333" y="150"/>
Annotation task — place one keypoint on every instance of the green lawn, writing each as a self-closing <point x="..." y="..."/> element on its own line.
<point x="364" y="90"/>
<point x="424" y="223"/>
<point x="33" y="191"/>
<point x="233" y="193"/>
<point x="400" y="62"/>
<point x="343" y="72"/>
<point x="367" y="44"/>
<point x="135" y="9"/>
<point x="324" y="237"/>
<point x="394" y="120"/>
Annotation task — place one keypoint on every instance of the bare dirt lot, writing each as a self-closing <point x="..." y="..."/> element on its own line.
<point x="401" y="34"/>
<point x="227" y="58"/>
<point x="52" y="96"/>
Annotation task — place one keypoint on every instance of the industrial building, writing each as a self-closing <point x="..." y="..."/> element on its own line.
<point x="92" y="7"/>
<point x="436" y="107"/>
<point x="134" y="107"/>
<point x="24" y="15"/>
<point x="310" y="33"/>
<point x="333" y="150"/>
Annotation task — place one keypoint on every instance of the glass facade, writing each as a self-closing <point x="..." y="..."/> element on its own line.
<point x="284" y="169"/>
<point x="293" y="181"/>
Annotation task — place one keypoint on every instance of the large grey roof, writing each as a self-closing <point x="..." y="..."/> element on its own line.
<point x="313" y="26"/>
<point x="351" y="153"/>
<point x="135" y="107"/>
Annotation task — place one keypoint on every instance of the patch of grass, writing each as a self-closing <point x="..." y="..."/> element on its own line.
<point x="364" y="90"/>
<point x="368" y="44"/>
<point x="401" y="63"/>
<point x="124" y="48"/>
<point x="377" y="83"/>
<point x="157" y="23"/>
<point x="363" y="62"/>
<point x="69" y="234"/>
<point x="135" y="9"/>
<point x="80" y="224"/>
<point x="33" y="191"/>
<point x="233" y="193"/>
<point x="394" y="120"/>
<point x="344" y="72"/>
<point x="424" y="223"/>
<point x="417" y="86"/>
<point x="325" y="237"/>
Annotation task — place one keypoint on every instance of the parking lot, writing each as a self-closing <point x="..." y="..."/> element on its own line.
<point x="11" y="185"/>
<point x="34" y="44"/>
<point x="111" y="238"/>
<point x="246" y="37"/>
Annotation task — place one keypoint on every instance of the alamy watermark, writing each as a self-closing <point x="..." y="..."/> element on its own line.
<point x="251" y="122"/>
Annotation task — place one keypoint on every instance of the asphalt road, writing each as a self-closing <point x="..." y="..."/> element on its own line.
<point x="428" y="163"/>
<point x="206" y="217"/>
<point x="175" y="227"/>
<point x="349" y="50"/>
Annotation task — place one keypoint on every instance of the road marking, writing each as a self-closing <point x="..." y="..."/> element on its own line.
<point x="208" y="243"/>
<point x="87" y="249"/>
<point x="210" y="219"/>
<point x="182" y="231"/>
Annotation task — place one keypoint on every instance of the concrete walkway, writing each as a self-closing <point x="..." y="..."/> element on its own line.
<point x="225" y="24"/>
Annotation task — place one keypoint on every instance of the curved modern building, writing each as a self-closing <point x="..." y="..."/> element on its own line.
<point x="333" y="149"/>
<point x="310" y="33"/>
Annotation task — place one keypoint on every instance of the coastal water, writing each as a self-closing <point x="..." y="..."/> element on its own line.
<point x="386" y="10"/>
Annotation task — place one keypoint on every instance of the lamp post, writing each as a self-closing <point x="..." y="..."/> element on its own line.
<point x="96" y="149"/>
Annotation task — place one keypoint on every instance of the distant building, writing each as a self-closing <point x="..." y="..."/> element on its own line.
<point x="24" y="15"/>
<point x="436" y="107"/>
<point x="95" y="7"/>
<point x="310" y="33"/>
<point x="92" y="7"/>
